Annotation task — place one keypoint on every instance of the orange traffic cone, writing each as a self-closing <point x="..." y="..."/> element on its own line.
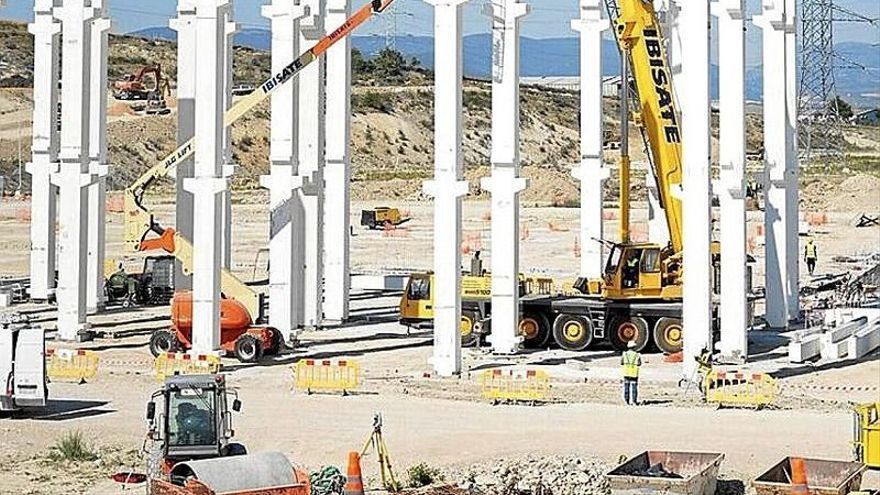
<point x="355" y="483"/>
<point x="799" y="477"/>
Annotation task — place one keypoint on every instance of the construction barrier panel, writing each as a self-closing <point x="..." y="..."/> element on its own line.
<point x="177" y="363"/>
<point x="339" y="376"/>
<point x="739" y="388"/>
<point x="515" y="386"/>
<point x="71" y="364"/>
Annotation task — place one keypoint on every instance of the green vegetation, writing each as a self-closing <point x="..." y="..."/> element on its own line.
<point x="423" y="475"/>
<point x="72" y="446"/>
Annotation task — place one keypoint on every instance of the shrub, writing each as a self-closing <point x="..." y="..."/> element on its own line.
<point x="72" y="446"/>
<point x="423" y="475"/>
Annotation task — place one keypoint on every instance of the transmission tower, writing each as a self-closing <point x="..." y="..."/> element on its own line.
<point x="819" y="116"/>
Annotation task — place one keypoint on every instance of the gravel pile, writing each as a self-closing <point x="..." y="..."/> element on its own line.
<point x="534" y="475"/>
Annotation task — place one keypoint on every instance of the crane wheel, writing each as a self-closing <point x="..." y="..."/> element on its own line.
<point x="573" y="333"/>
<point x="535" y="330"/>
<point x="162" y="342"/>
<point x="623" y="329"/>
<point x="468" y="335"/>
<point x="248" y="348"/>
<point x="668" y="335"/>
<point x="277" y="342"/>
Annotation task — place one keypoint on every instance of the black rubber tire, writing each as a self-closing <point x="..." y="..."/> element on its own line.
<point x="535" y="329"/>
<point x="277" y="343"/>
<point x="163" y="341"/>
<point x="668" y="335"/>
<point x="573" y="332"/>
<point x="622" y="329"/>
<point x="233" y="449"/>
<point x="248" y="348"/>
<point x="468" y="337"/>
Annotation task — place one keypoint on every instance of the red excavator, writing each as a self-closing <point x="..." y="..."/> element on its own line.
<point x="132" y="87"/>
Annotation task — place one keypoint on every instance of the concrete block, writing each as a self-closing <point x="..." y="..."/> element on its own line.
<point x="864" y="341"/>
<point x="804" y="350"/>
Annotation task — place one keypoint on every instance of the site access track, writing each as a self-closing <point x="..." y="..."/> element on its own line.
<point x="139" y="221"/>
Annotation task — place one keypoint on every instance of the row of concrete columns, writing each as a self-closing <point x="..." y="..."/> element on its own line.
<point x="69" y="166"/>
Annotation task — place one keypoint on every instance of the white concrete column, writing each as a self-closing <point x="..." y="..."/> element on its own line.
<point x="732" y="158"/>
<point x="776" y="264"/>
<point x="95" y="297"/>
<point x="591" y="173"/>
<point x="285" y="208"/>
<point x="311" y="163"/>
<point x="693" y="30"/>
<point x="505" y="183"/>
<point x="337" y="172"/>
<point x="44" y="149"/>
<point x="185" y="25"/>
<point x="447" y="188"/>
<point x="792" y="213"/>
<point x="73" y="177"/>
<point x="228" y="163"/>
<point x="208" y="184"/>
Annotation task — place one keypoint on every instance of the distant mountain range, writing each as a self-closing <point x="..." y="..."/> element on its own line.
<point x="858" y="82"/>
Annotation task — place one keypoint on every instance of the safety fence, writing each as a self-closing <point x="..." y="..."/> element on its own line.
<point x="515" y="386"/>
<point x="739" y="388"/>
<point x="74" y="365"/>
<point x="176" y="363"/>
<point x="327" y="376"/>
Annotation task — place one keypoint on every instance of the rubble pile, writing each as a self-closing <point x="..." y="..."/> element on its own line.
<point x="534" y="475"/>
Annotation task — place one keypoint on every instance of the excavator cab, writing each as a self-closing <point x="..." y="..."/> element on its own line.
<point x="195" y="422"/>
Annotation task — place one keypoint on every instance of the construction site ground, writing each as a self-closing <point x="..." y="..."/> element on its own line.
<point x="442" y="422"/>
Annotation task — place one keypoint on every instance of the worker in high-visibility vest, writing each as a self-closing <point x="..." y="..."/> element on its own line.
<point x="810" y="256"/>
<point x="630" y="363"/>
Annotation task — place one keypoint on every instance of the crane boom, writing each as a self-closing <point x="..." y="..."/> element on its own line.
<point x="139" y="221"/>
<point x="640" y="38"/>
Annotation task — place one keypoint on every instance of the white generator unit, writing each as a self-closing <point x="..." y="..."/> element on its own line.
<point x="22" y="363"/>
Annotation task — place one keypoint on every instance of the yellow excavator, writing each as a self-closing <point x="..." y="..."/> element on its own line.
<point x="142" y="231"/>
<point x="638" y="298"/>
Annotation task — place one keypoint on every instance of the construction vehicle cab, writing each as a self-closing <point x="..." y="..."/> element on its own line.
<point x="195" y="421"/>
<point x="154" y="286"/>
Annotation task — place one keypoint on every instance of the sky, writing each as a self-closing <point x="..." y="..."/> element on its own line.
<point x="547" y="19"/>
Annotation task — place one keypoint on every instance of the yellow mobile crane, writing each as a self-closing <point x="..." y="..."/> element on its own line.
<point x="139" y="220"/>
<point x="638" y="297"/>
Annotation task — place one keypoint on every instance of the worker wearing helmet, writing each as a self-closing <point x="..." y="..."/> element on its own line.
<point x="630" y="363"/>
<point x="810" y="256"/>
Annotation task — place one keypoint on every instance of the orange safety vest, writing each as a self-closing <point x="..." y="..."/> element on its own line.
<point x="630" y="363"/>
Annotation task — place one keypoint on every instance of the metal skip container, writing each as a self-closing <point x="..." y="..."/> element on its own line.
<point x="662" y="472"/>
<point x="823" y="477"/>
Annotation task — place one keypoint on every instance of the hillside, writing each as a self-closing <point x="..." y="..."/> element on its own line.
<point x="392" y="126"/>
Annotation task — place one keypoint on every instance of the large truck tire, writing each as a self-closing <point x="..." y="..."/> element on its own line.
<point x="163" y="341"/>
<point x="248" y="348"/>
<point x="623" y="329"/>
<point x="535" y="329"/>
<point x="468" y="336"/>
<point x="668" y="335"/>
<point x="572" y="332"/>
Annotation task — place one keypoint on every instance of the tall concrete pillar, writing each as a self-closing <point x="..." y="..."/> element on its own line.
<point x="285" y="207"/>
<point x="792" y="249"/>
<point x="74" y="177"/>
<point x="100" y="29"/>
<point x="591" y="173"/>
<point x="693" y="30"/>
<point x="776" y="262"/>
<point x="337" y="172"/>
<point x="208" y="183"/>
<point x="447" y="187"/>
<point x="230" y="28"/>
<point x="44" y="149"/>
<point x="311" y="163"/>
<point x="732" y="159"/>
<point x="505" y="183"/>
<point x="185" y="25"/>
